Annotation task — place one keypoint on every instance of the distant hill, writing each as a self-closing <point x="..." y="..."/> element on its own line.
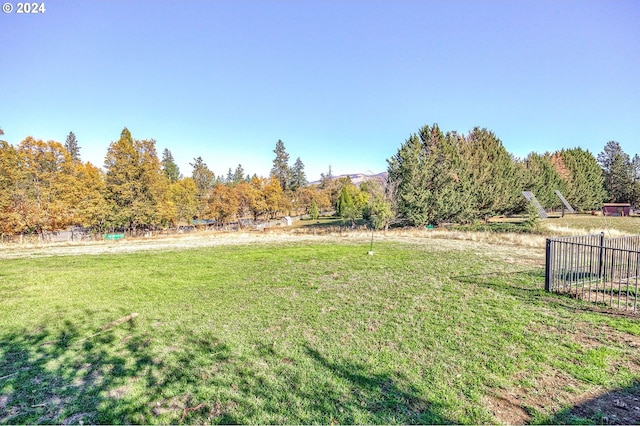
<point x="358" y="178"/>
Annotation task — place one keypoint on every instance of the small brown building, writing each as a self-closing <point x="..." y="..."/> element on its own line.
<point x="616" y="209"/>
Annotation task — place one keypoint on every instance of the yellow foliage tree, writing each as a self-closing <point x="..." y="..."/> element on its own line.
<point x="273" y="196"/>
<point x="136" y="186"/>
<point x="184" y="196"/>
<point x="51" y="190"/>
<point x="223" y="203"/>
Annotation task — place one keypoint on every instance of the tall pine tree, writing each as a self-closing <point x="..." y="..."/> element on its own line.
<point x="204" y="180"/>
<point x="238" y="175"/>
<point x="635" y="166"/>
<point x="71" y="144"/>
<point x="618" y="172"/>
<point x="169" y="166"/>
<point x="280" y="168"/>
<point x="408" y="177"/>
<point x="493" y="173"/>
<point x="583" y="177"/>
<point x="298" y="178"/>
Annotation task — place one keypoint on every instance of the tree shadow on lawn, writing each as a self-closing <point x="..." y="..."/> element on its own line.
<point x="620" y="406"/>
<point x="71" y="376"/>
<point x="62" y="376"/>
<point x="384" y="398"/>
<point x="528" y="285"/>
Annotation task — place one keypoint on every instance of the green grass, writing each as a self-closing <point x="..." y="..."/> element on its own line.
<point x="299" y="333"/>
<point x="588" y="223"/>
<point x="522" y="227"/>
<point x="328" y="222"/>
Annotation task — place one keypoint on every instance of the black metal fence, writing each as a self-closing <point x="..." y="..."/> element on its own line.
<point x="595" y="268"/>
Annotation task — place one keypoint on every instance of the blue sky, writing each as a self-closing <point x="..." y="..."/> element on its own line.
<point x="342" y="83"/>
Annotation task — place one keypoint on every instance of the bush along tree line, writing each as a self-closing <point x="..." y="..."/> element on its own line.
<point x="434" y="177"/>
<point x="440" y="177"/>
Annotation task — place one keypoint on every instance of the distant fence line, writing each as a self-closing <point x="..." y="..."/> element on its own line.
<point x="88" y="234"/>
<point x="595" y="268"/>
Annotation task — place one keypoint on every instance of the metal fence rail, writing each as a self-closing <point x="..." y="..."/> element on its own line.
<point x="595" y="268"/>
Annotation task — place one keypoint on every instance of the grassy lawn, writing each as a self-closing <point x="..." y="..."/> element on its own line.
<point x="328" y="222"/>
<point x="570" y="224"/>
<point x="421" y="332"/>
<point x="584" y="224"/>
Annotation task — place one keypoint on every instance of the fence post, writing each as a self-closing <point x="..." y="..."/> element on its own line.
<point x="547" y="267"/>
<point x="601" y="256"/>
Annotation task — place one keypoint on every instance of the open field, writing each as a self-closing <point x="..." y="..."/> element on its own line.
<point x="282" y="328"/>
<point x="612" y="226"/>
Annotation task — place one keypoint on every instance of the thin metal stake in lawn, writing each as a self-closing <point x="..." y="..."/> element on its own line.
<point x="371" y="246"/>
<point x="109" y="326"/>
<point x="8" y="375"/>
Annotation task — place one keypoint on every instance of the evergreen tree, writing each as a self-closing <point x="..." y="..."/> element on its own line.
<point x="380" y="212"/>
<point x="532" y="216"/>
<point x="169" y="166"/>
<point x="429" y="179"/>
<point x="618" y="172"/>
<point x="314" y="212"/>
<point x="135" y="185"/>
<point x="204" y="180"/>
<point x="635" y="166"/>
<point x="156" y="187"/>
<point x="280" y="168"/>
<point x="450" y="182"/>
<point x="379" y="209"/>
<point x="345" y="206"/>
<point x="330" y="189"/>
<point x="71" y="144"/>
<point x="583" y="176"/>
<point x="326" y="179"/>
<point x="351" y="202"/>
<point x="493" y="174"/>
<point x="238" y="175"/>
<point x="298" y="176"/>
<point x="408" y="175"/>
<point x="541" y="177"/>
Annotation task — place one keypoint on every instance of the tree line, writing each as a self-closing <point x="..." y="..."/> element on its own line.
<point x="434" y="177"/>
<point x="449" y="177"/>
<point x="47" y="187"/>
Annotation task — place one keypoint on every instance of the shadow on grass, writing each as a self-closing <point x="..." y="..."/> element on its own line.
<point x="620" y="406"/>
<point x="125" y="376"/>
<point x="528" y="285"/>
<point x="62" y="377"/>
<point x="334" y="223"/>
<point x="395" y="401"/>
